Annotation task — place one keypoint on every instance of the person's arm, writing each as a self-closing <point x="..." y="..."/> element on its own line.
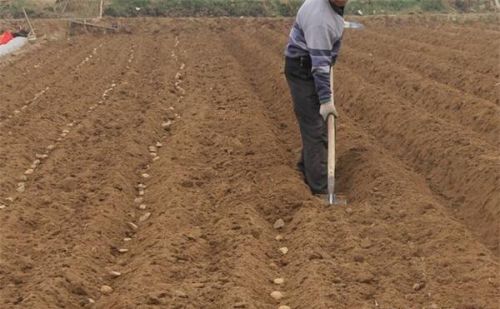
<point x="335" y="51"/>
<point x="320" y="42"/>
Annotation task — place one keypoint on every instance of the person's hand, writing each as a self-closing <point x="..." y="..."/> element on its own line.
<point x="328" y="108"/>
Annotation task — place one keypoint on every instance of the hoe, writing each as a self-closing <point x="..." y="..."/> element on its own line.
<point x="333" y="199"/>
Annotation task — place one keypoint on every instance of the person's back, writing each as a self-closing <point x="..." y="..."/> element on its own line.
<point x="321" y="22"/>
<point x="317" y="33"/>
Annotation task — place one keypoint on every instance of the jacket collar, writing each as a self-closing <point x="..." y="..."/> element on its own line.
<point x="338" y="9"/>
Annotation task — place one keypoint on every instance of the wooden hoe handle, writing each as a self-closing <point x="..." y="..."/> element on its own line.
<point x="331" y="145"/>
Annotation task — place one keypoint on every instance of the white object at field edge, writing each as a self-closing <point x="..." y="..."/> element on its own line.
<point x="13" y="45"/>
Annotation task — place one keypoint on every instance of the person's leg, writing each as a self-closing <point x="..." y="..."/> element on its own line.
<point x="315" y="143"/>
<point x="312" y="126"/>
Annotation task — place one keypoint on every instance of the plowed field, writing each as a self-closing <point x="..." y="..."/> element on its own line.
<point x="147" y="170"/>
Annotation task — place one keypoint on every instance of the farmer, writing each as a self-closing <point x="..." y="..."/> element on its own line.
<point x="311" y="52"/>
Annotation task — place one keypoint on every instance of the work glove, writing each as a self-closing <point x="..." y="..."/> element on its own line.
<point x="328" y="108"/>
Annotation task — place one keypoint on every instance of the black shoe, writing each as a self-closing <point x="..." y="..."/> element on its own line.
<point x="322" y="192"/>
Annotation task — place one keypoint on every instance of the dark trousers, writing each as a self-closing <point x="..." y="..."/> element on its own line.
<point x="313" y="130"/>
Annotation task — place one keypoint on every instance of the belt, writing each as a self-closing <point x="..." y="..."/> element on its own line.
<point x="304" y="61"/>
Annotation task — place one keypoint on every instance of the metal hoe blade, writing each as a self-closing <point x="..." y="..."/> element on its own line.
<point x="353" y="25"/>
<point x="334" y="200"/>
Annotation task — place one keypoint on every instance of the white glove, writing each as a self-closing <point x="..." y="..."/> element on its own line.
<point x="328" y="108"/>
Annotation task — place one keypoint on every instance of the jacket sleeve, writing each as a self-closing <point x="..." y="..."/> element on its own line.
<point x="335" y="51"/>
<point x="320" y="42"/>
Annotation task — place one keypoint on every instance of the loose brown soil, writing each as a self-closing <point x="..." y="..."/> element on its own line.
<point x="418" y="159"/>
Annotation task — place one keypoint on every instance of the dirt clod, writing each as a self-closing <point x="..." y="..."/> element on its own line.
<point x="132" y="226"/>
<point x="358" y="258"/>
<point x="180" y="294"/>
<point x="366" y="243"/>
<point x="277" y="295"/>
<point x="106" y="289"/>
<point x="278" y="224"/>
<point x="279" y="280"/>
<point x="144" y="217"/>
<point x="166" y="125"/>
<point x="365" y="277"/>
<point x="418" y="286"/>
<point x="21" y="187"/>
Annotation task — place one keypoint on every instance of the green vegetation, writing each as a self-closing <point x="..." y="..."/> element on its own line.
<point x="14" y="9"/>
<point x="203" y="7"/>
<point x="49" y="8"/>
<point x="281" y="7"/>
<point x="432" y="6"/>
<point x="369" y="7"/>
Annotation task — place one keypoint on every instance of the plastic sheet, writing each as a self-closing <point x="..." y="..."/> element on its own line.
<point x="13" y="45"/>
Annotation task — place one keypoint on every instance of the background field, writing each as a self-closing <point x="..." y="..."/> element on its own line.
<point x="131" y="8"/>
<point x="157" y="162"/>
